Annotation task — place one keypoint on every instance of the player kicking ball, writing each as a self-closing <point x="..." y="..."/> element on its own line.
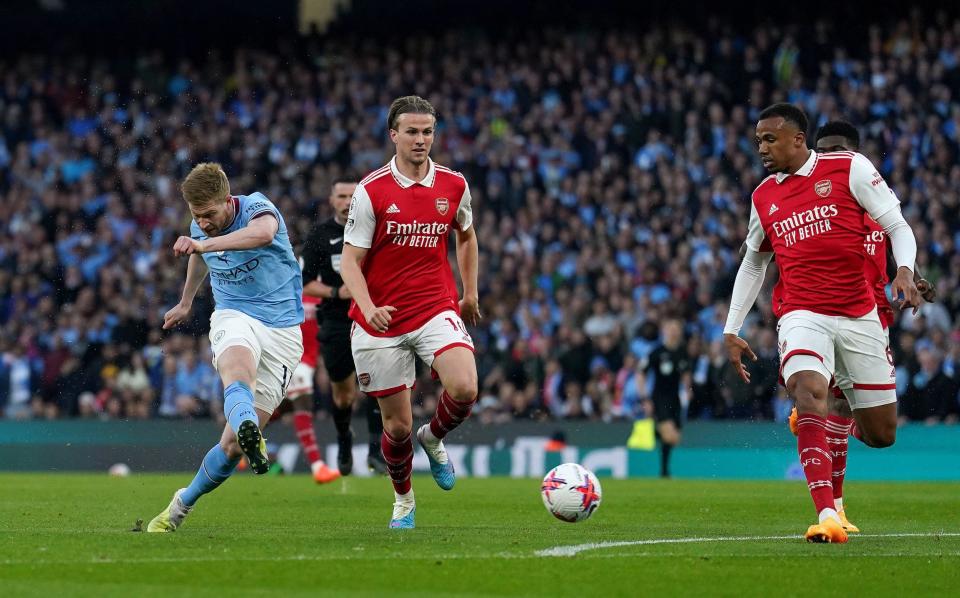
<point x="255" y="326"/>
<point x="841" y="136"/>
<point x="405" y="301"/>
<point x="810" y="212"/>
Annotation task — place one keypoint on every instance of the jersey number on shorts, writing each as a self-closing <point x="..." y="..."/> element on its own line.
<point x="457" y="325"/>
<point x="285" y="382"/>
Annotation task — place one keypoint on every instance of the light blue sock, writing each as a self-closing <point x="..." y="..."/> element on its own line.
<point x="214" y="470"/>
<point x="238" y="405"/>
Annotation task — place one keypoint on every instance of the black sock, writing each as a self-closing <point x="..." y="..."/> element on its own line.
<point x="665" y="459"/>
<point x="341" y="419"/>
<point x="374" y="421"/>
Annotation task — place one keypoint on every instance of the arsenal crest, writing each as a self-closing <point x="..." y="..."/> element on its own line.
<point x="443" y="205"/>
<point x="823" y="188"/>
<point x="364" y="379"/>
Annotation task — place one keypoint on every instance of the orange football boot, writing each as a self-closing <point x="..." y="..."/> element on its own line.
<point x="828" y="532"/>
<point x="323" y="474"/>
<point x="847" y="526"/>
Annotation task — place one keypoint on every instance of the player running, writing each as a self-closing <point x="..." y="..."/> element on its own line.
<point x="254" y="329"/>
<point x="810" y="214"/>
<point x="405" y="299"/>
<point x="322" y="255"/>
<point x="300" y="394"/>
<point x="841" y="136"/>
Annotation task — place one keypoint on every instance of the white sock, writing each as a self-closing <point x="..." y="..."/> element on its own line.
<point x="838" y="503"/>
<point x="408" y="497"/>
<point x="428" y="434"/>
<point x="829" y="514"/>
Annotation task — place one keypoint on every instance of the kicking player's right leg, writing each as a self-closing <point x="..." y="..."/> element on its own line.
<point x="807" y="365"/>
<point x="237" y="352"/>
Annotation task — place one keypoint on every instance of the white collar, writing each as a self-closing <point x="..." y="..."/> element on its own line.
<point x="805" y="170"/>
<point x="406" y="182"/>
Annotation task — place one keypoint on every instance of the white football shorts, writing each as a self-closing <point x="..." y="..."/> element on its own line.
<point x="302" y="381"/>
<point x="276" y="351"/>
<point x="854" y="352"/>
<point x="387" y="365"/>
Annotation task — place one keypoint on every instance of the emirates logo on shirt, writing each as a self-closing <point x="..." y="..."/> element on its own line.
<point x="443" y="205"/>
<point x="823" y="188"/>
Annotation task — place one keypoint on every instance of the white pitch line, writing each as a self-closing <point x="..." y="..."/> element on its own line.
<point x="557" y="551"/>
<point x="576" y="549"/>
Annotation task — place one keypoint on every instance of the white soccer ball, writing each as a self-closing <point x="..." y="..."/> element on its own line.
<point x="119" y="470"/>
<point x="570" y="492"/>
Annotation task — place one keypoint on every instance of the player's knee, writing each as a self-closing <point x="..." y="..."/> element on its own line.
<point x="462" y="390"/>
<point x="885" y="437"/>
<point x="809" y="391"/>
<point x="342" y="398"/>
<point x="396" y="427"/>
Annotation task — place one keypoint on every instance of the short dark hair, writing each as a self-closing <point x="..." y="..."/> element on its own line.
<point x="789" y="113"/>
<point x="408" y="105"/>
<point x="840" y="128"/>
<point x="346" y="179"/>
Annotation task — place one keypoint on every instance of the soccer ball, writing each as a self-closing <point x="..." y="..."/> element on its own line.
<point x="119" y="470"/>
<point x="570" y="492"/>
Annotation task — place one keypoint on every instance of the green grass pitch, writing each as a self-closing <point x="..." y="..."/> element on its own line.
<point x="69" y="535"/>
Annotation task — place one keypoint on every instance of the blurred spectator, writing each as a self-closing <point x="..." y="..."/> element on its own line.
<point x="610" y="169"/>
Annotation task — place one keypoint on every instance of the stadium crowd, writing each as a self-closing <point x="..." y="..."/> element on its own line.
<point x="611" y="173"/>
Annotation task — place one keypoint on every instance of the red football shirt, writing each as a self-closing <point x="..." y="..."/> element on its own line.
<point x="875" y="272"/>
<point x="813" y="221"/>
<point x="405" y="225"/>
<point x="309" y="330"/>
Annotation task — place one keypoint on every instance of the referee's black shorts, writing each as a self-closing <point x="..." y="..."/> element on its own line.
<point x="334" y="337"/>
<point x="667" y="408"/>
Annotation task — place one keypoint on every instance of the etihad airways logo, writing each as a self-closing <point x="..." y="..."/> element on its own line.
<point x="803" y="225"/>
<point x="417" y="234"/>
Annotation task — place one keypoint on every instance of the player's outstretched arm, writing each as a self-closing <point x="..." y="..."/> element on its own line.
<point x="377" y="317"/>
<point x="259" y="232"/>
<point x="196" y="272"/>
<point x="467" y="259"/>
<point x="745" y="289"/>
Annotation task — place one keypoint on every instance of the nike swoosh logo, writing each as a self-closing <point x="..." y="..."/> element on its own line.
<point x="335" y="241"/>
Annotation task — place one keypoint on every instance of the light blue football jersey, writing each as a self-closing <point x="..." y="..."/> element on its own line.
<point x="264" y="283"/>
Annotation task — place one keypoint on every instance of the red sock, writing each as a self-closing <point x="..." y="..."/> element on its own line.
<point x="815" y="458"/>
<point x="399" y="457"/>
<point x="449" y="415"/>
<point x="838" y="428"/>
<point x="303" y="424"/>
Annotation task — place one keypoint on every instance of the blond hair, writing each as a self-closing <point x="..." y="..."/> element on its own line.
<point x="206" y="184"/>
<point x="408" y="105"/>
